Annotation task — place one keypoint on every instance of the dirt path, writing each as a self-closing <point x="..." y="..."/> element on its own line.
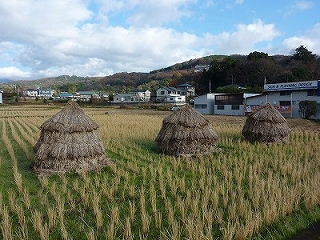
<point x="311" y="233"/>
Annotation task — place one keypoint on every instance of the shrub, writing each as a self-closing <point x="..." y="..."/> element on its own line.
<point x="308" y="109"/>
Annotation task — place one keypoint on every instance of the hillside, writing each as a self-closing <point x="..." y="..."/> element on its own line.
<point x="120" y="82"/>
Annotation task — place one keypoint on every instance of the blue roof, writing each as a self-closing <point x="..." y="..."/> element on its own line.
<point x="86" y="92"/>
<point x="65" y="94"/>
<point x="185" y="85"/>
<point x="169" y="88"/>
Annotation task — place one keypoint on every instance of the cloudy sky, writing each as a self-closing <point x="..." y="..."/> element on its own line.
<point x="45" y="38"/>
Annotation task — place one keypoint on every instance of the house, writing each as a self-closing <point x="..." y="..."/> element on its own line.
<point x="1" y="96"/>
<point x="65" y="96"/>
<point x="222" y="103"/>
<point x="86" y="96"/>
<point x="141" y="95"/>
<point x="45" y="93"/>
<point x="169" y="95"/>
<point x="201" y="67"/>
<point x="135" y="96"/>
<point x="286" y="97"/>
<point x="123" y="98"/>
<point x="30" y="93"/>
<point x="105" y="96"/>
<point x="186" y="90"/>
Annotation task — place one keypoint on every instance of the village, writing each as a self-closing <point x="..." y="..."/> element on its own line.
<point x="285" y="97"/>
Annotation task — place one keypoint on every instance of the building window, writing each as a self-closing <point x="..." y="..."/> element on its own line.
<point x="285" y="103"/>
<point x="162" y="92"/>
<point x="235" y="107"/>
<point x="285" y="93"/>
<point x="312" y="92"/>
<point x="220" y="107"/>
<point x="229" y="99"/>
<point x="201" y="106"/>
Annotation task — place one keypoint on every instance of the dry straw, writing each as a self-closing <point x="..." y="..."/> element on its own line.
<point x="185" y="133"/>
<point x="266" y="125"/>
<point x="69" y="141"/>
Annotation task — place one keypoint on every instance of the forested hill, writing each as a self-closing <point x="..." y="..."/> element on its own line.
<point x="248" y="71"/>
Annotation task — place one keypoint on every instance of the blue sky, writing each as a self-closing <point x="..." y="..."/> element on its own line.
<point x="102" y="37"/>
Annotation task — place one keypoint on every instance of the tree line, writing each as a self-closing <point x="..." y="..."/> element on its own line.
<point x="257" y="68"/>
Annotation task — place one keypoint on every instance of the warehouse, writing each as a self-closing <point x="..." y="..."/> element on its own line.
<point x="222" y="103"/>
<point x="285" y="97"/>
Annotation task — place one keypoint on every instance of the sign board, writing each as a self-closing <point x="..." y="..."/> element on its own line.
<point x="291" y="86"/>
<point x="254" y="108"/>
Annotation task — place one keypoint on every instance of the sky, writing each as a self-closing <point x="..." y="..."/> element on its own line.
<point x="49" y="38"/>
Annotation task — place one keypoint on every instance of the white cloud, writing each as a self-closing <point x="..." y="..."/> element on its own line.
<point x="94" y="49"/>
<point x="299" y="6"/>
<point x="54" y="38"/>
<point x="302" y="5"/>
<point x="13" y="72"/>
<point x="32" y="20"/>
<point x="244" y="39"/>
<point x="89" y="37"/>
<point x="239" y="1"/>
<point x="310" y="40"/>
<point x="103" y="50"/>
<point x="146" y="13"/>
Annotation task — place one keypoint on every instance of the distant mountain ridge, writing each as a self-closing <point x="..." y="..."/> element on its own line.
<point x="5" y="81"/>
<point x="155" y="74"/>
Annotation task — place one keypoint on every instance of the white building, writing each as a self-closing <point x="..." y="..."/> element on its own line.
<point x="1" y="96"/>
<point x="205" y="103"/>
<point x="222" y="103"/>
<point x="30" y="93"/>
<point x="136" y="96"/>
<point x="201" y="67"/>
<point x="286" y="97"/>
<point x="186" y="90"/>
<point x="123" y="98"/>
<point x="86" y="96"/>
<point x="170" y="95"/>
<point x="141" y="95"/>
<point x="45" y="93"/>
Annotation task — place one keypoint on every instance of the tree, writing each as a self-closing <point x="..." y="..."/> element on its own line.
<point x="304" y="64"/>
<point x="230" y="89"/>
<point x="257" y="55"/>
<point x="72" y="87"/>
<point x="216" y="76"/>
<point x="303" y="54"/>
<point x="308" y="108"/>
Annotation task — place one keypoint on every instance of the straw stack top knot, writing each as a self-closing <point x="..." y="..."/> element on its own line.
<point x="70" y="119"/>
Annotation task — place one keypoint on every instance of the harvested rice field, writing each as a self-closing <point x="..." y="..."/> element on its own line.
<point x="244" y="191"/>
